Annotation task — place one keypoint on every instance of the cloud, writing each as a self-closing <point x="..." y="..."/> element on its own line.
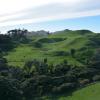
<point x="35" y="11"/>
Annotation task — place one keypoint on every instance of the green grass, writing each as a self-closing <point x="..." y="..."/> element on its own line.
<point x="25" y="52"/>
<point x="91" y="92"/>
<point x="72" y="39"/>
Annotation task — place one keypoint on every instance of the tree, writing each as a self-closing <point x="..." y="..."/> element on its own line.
<point x="66" y="87"/>
<point x="45" y="60"/>
<point x="62" y="69"/>
<point x="18" y="35"/>
<point x="41" y="66"/>
<point x="96" y="78"/>
<point x="95" y="60"/>
<point x="28" y="66"/>
<point x="9" y="89"/>
<point x="6" y="43"/>
<point x="72" y="51"/>
<point x="3" y="64"/>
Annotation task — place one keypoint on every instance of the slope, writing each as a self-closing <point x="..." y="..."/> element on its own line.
<point x="55" y="47"/>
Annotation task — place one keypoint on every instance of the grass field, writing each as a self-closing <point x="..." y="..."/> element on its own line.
<point x="62" y="41"/>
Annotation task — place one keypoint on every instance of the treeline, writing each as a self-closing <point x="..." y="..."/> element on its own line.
<point x="12" y="39"/>
<point x="38" y="78"/>
<point x="15" y="37"/>
<point x="6" y="43"/>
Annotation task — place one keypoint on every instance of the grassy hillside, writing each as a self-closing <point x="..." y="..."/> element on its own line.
<point x="91" y="92"/>
<point x="73" y="60"/>
<point x="55" y="47"/>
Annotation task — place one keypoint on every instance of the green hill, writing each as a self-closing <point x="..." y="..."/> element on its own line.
<point x="56" y="47"/>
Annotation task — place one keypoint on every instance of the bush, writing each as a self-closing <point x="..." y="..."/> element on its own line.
<point x="46" y="40"/>
<point x="96" y="78"/>
<point x="61" y="53"/>
<point x="72" y="52"/>
<point x="37" y="44"/>
<point x="66" y="87"/>
<point x="61" y="69"/>
<point x="3" y="64"/>
<point x="36" y="86"/>
<point x="9" y="89"/>
<point x="6" y="43"/>
<point x="29" y="88"/>
<point x="87" y="73"/>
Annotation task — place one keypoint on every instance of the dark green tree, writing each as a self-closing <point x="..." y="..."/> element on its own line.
<point x="9" y="89"/>
<point x="72" y="51"/>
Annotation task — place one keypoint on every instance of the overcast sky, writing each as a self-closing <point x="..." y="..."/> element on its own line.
<point x="43" y="14"/>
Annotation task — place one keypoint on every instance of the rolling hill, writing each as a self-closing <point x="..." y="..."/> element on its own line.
<point x="63" y="65"/>
<point x="57" y="47"/>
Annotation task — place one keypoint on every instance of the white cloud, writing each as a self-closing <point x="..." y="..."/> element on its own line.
<point x="13" y="12"/>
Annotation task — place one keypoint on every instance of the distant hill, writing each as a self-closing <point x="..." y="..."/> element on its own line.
<point x="38" y="33"/>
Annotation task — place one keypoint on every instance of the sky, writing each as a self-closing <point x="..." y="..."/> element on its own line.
<point x="50" y="15"/>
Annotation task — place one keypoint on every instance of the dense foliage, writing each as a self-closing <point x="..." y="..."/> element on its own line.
<point x="38" y="78"/>
<point x="6" y="43"/>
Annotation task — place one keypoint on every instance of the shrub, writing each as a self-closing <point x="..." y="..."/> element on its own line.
<point x="9" y="89"/>
<point x="36" y="86"/>
<point x="72" y="52"/>
<point x="61" y="53"/>
<point x="66" y="87"/>
<point x="46" y="40"/>
<point x="37" y="44"/>
<point x="96" y="78"/>
<point x="29" y="88"/>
